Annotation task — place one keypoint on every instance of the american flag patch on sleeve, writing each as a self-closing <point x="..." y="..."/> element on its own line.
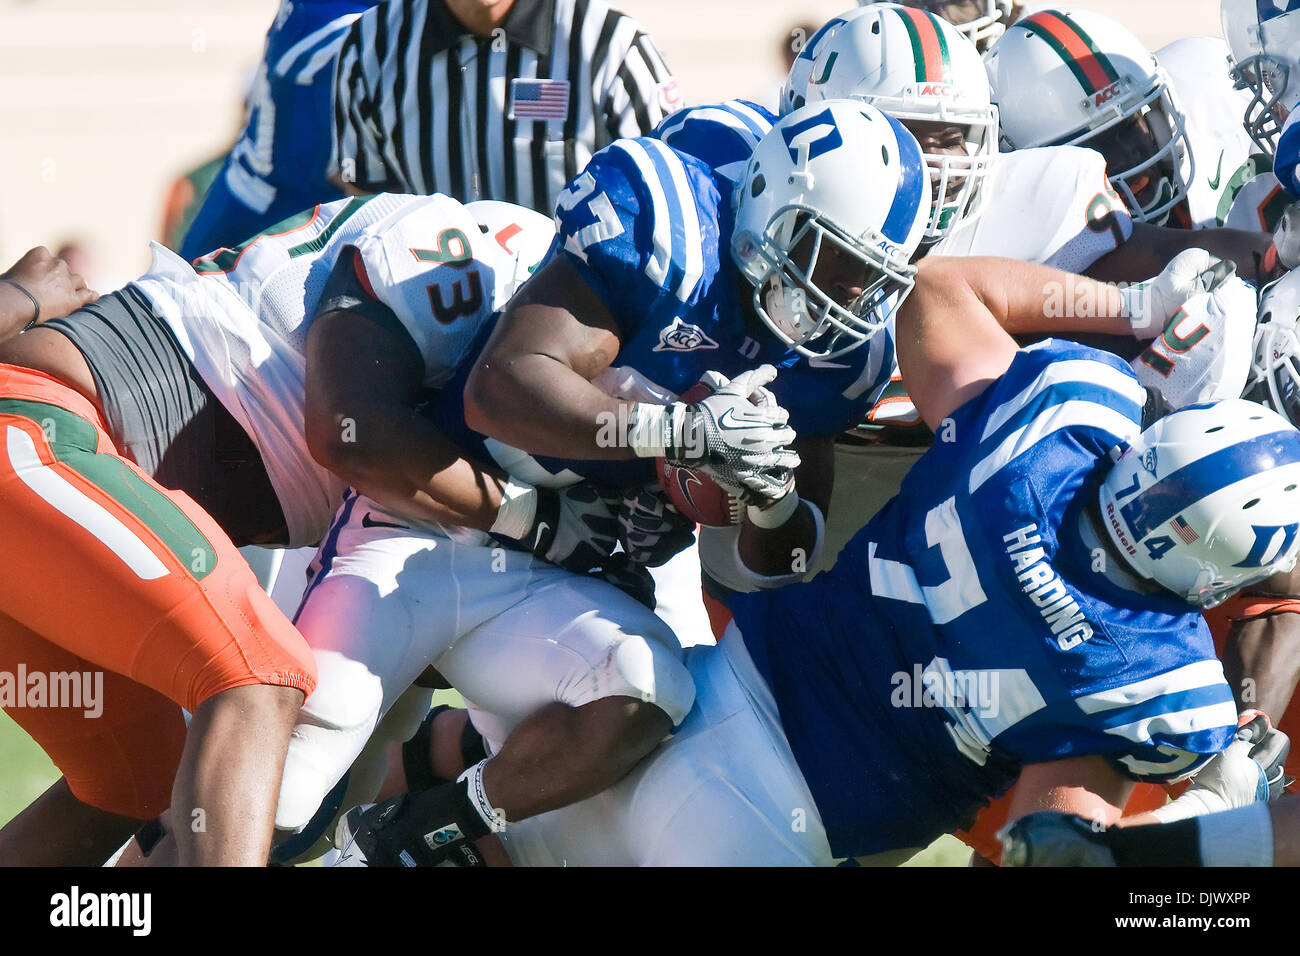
<point x="539" y="99"/>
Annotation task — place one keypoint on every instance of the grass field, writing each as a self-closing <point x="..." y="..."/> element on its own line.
<point x="24" y="770"/>
<point x="27" y="772"/>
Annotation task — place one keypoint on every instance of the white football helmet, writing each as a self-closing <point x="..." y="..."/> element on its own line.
<point x="917" y="67"/>
<point x="1206" y="501"/>
<point x="521" y="234"/>
<point x="980" y="21"/>
<point x="838" y="183"/>
<point x="1275" y="373"/>
<point x="795" y="87"/>
<point x="1082" y="79"/>
<point x="1264" y="57"/>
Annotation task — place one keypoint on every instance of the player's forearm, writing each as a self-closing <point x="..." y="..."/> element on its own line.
<point x="1151" y="248"/>
<point x="781" y="551"/>
<point x="1030" y="299"/>
<point x="16" y="310"/>
<point x="543" y="407"/>
<point x="401" y="461"/>
<point x="1261" y="662"/>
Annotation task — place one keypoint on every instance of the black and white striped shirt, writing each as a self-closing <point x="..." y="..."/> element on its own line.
<point x="422" y="105"/>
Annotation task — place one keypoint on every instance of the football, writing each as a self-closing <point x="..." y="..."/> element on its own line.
<point x="693" y="492"/>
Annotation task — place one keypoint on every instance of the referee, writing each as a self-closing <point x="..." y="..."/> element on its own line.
<point x="502" y="100"/>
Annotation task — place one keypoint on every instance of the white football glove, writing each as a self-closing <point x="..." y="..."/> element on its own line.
<point x="738" y="436"/>
<point x="1205" y="351"/>
<point x="1149" y="305"/>
<point x="1249" y="770"/>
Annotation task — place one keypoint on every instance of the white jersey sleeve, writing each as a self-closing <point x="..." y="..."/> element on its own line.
<point x="1052" y="206"/>
<point x="1213" y="111"/>
<point x="242" y="315"/>
<point x="433" y="267"/>
<point x="1258" y="205"/>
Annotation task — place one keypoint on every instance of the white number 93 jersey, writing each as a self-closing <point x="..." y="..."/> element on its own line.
<point x="242" y="314"/>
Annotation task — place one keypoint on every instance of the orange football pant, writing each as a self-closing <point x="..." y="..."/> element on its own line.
<point x="102" y="570"/>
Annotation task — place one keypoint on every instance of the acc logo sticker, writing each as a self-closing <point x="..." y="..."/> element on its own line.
<point x="936" y="89"/>
<point x="683" y="337"/>
<point x="1106" y="95"/>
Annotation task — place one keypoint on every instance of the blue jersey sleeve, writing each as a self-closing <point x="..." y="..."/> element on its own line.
<point x="640" y="225"/>
<point x="723" y="136"/>
<point x="1286" y="165"/>
<point x="1083" y="398"/>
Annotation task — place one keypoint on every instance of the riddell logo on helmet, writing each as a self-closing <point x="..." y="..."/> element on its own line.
<point x="936" y="89"/>
<point x="1114" y="523"/>
<point x="1106" y="95"/>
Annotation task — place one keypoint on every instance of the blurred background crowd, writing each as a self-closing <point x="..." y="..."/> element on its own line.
<point x="116" y="114"/>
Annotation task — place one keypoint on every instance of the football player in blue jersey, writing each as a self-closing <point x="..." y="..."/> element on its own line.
<point x="654" y="281"/>
<point x="685" y="311"/>
<point x="278" y="165"/>
<point x="1027" y="606"/>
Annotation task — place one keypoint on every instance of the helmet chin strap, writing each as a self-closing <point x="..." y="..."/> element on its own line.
<point x="787" y="308"/>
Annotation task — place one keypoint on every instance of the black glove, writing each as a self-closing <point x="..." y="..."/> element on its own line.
<point x="650" y="529"/>
<point x="1055" y="839"/>
<point x="630" y="578"/>
<point x="575" y="528"/>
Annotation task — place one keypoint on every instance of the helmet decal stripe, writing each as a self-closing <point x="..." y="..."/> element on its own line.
<point x="1178" y="491"/>
<point x="929" y="47"/>
<point x="913" y="185"/>
<point x="1090" y="66"/>
<point x="1268" y="9"/>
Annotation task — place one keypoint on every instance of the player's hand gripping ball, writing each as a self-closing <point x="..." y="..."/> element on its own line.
<point x="692" y="492"/>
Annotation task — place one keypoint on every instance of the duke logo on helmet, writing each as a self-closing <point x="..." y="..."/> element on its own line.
<point x="859" y="210"/>
<point x="825" y="140"/>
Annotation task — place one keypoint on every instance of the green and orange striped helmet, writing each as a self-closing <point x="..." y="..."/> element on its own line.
<point x="916" y="67"/>
<point x="1082" y="79"/>
<point x="980" y="21"/>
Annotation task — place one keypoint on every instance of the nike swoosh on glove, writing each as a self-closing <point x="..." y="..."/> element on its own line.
<point x="739" y="436"/>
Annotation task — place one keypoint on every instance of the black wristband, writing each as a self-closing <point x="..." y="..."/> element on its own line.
<point x="35" y="305"/>
<point x="546" y="523"/>
<point x="1165" y="844"/>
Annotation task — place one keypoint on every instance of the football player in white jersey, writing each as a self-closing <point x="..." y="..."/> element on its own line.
<point x="1264" y="44"/>
<point x="1080" y="78"/>
<point x="193" y="379"/>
